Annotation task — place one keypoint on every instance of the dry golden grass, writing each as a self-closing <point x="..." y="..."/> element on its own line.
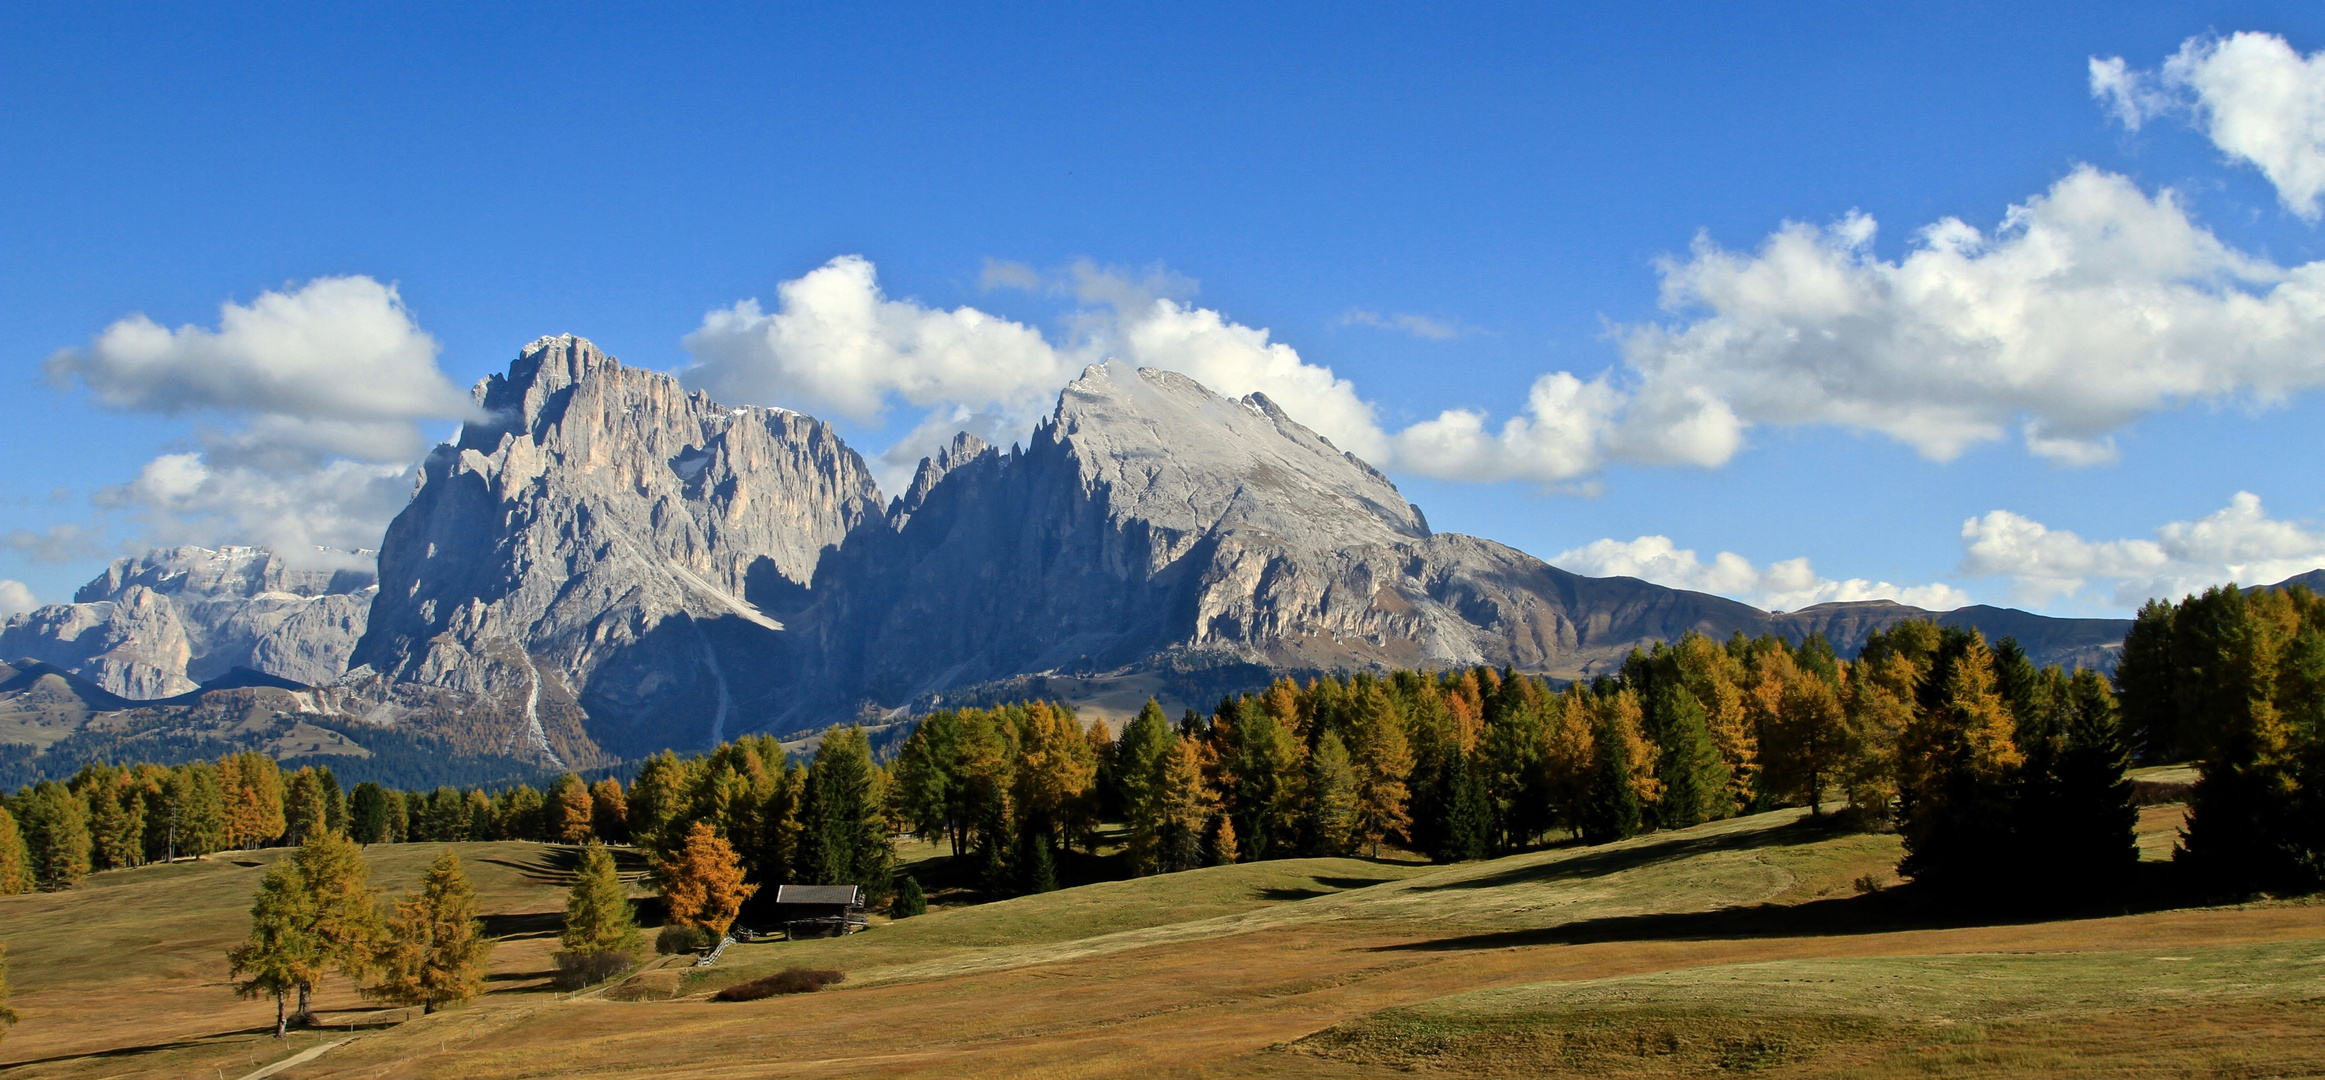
<point x="1740" y="945"/>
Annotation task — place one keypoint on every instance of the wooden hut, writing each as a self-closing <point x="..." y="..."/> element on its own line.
<point x="819" y="910"/>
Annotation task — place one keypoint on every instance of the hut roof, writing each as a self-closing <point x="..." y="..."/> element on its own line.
<point x="818" y="894"/>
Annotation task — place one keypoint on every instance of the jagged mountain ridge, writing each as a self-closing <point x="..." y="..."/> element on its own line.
<point x="163" y="623"/>
<point x="613" y="546"/>
<point x="673" y="570"/>
<point x="612" y="565"/>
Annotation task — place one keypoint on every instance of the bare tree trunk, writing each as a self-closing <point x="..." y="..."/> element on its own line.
<point x="306" y="1013"/>
<point x="282" y="1022"/>
<point x="428" y="1006"/>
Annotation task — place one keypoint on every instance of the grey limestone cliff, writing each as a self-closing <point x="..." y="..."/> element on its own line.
<point x="612" y="544"/>
<point x="159" y="624"/>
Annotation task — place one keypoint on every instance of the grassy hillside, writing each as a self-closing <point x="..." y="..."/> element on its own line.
<point x="1744" y="944"/>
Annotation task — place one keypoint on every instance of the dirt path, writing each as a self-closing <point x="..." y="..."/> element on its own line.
<point x="302" y="1057"/>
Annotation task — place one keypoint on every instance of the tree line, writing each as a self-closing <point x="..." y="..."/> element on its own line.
<point x="1989" y="767"/>
<point x="2235" y="680"/>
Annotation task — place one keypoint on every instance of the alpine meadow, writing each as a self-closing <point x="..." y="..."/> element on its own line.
<point x="950" y="639"/>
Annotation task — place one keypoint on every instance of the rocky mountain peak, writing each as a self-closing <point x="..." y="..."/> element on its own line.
<point x="1166" y="450"/>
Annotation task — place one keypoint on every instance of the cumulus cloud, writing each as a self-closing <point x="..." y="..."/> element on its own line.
<point x="2258" y="100"/>
<point x="336" y="366"/>
<point x="307" y="515"/>
<point x="1786" y="585"/>
<point x="312" y="401"/>
<point x="2239" y="543"/>
<point x="836" y="341"/>
<point x="15" y="598"/>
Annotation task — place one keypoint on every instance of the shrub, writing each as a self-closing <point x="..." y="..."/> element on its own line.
<point x="796" y="980"/>
<point x="678" y="938"/>
<point x="577" y="970"/>
<point x="909" y="901"/>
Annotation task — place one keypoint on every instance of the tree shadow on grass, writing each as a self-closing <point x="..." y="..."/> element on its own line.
<point x="120" y="1052"/>
<point x="555" y="865"/>
<point x="2154" y="887"/>
<point x="524" y="924"/>
<point x="1676" y="847"/>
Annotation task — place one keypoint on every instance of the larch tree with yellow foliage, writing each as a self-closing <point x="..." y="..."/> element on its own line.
<point x="435" y="950"/>
<point x="704" y="883"/>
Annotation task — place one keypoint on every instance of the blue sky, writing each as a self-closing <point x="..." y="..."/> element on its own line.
<point x="1441" y="207"/>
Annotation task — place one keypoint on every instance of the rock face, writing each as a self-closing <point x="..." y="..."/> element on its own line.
<point x="613" y="565"/>
<point x="613" y="544"/>
<point x="158" y="625"/>
<point x="1150" y="517"/>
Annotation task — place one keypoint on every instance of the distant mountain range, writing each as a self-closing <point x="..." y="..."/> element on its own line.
<point x="612" y="565"/>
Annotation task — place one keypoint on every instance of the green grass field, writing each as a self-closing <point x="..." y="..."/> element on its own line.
<point x="1744" y="945"/>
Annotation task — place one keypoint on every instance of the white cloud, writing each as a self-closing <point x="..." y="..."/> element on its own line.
<point x="1420" y="326"/>
<point x="336" y="366"/>
<point x="836" y="341"/>
<point x="1787" y="585"/>
<point x="2258" y="100"/>
<point x="2239" y="543"/>
<point x="2092" y="305"/>
<point x="316" y="396"/>
<point x="341" y="505"/>
<point x="15" y="597"/>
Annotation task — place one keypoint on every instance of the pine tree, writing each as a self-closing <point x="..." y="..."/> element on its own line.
<point x="1185" y="801"/>
<point x="608" y="812"/>
<point x="1139" y="758"/>
<point x="367" y="814"/>
<point x="1331" y="798"/>
<point x="15" y="859"/>
<point x="281" y="954"/>
<point x="1612" y="808"/>
<point x="522" y="814"/>
<point x="910" y="900"/>
<point x="1957" y="765"/>
<point x="704" y="883"/>
<point x="655" y="798"/>
<point x="435" y="951"/>
<point x="334" y="799"/>
<point x="569" y="811"/>
<point x="2145" y="680"/>
<point x="599" y="920"/>
<point x="56" y="834"/>
<point x="2228" y="649"/>
<point x="2093" y="837"/>
<point x="305" y="810"/>
<point x="1468" y="814"/>
<point x="1693" y="773"/>
<point x="399" y="816"/>
<point x="344" y="925"/>
<point x="844" y="836"/>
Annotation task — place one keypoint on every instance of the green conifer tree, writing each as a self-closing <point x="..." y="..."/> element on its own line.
<point x="1696" y="784"/>
<point x="910" y="900"/>
<point x="1611" y="809"/>
<point x="55" y="825"/>
<point x="1331" y="791"/>
<point x="367" y="814"/>
<point x="601" y="926"/>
